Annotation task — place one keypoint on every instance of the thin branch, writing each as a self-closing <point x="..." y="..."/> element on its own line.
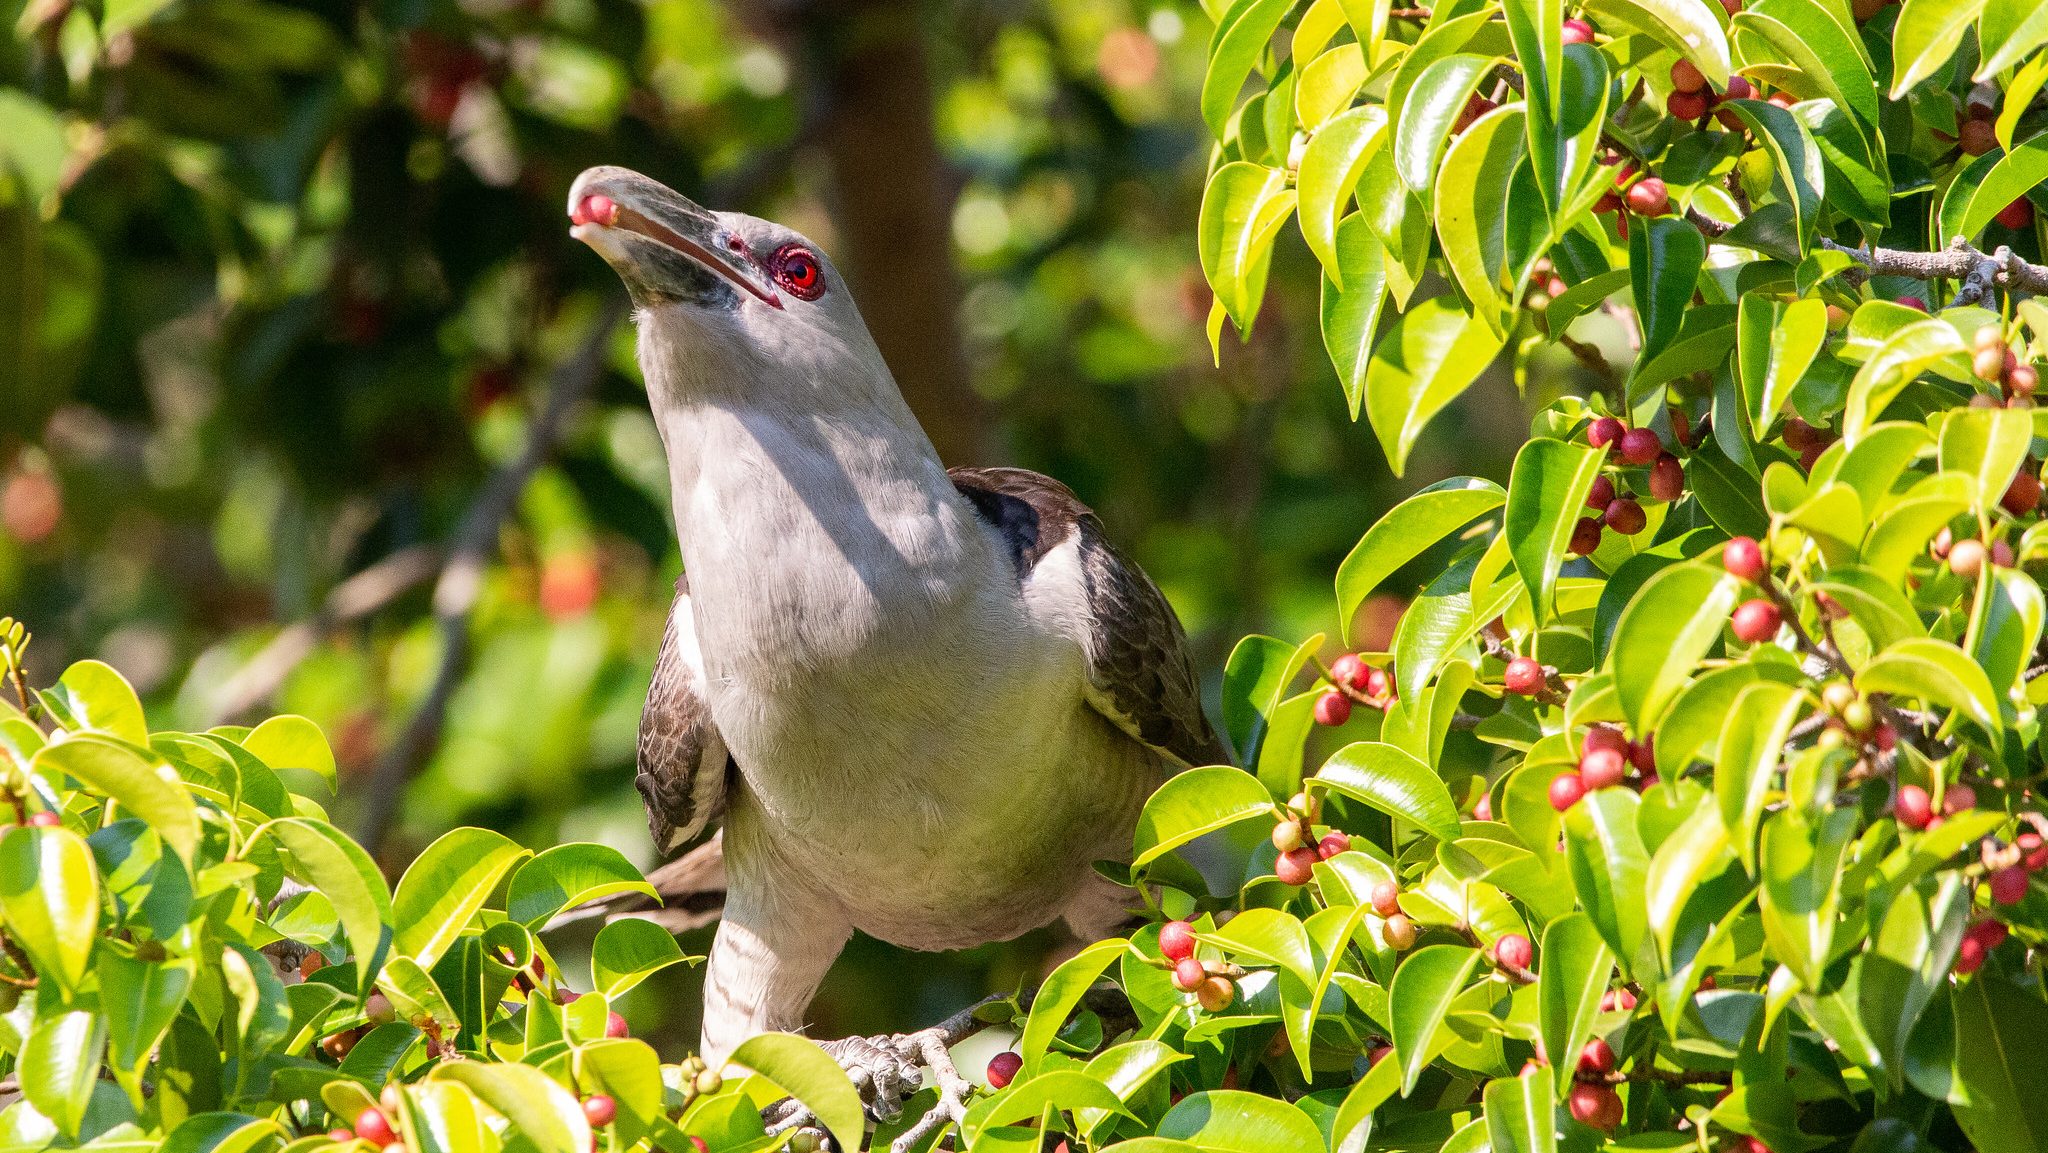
<point x="461" y="578"/>
<point x="1960" y="261"/>
<point x="359" y="596"/>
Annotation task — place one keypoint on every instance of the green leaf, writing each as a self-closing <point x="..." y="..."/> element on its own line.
<point x="415" y="996"/>
<point x="629" y="951"/>
<point x="539" y="1108"/>
<point x="1434" y="104"/>
<point x="2005" y="628"/>
<point x="1125" y="1069"/>
<point x="1255" y="680"/>
<point x="1926" y="36"/>
<point x="1423" y="989"/>
<point x="1242" y="211"/>
<point x="1671" y="622"/>
<point x="1664" y="258"/>
<point x="1982" y="189"/>
<point x="1908" y="959"/>
<point x="1546" y="496"/>
<point x="442" y="1117"/>
<point x="1800" y="894"/>
<point x="1796" y="159"/>
<point x="445" y="886"/>
<point x="1489" y="216"/>
<point x="1407" y="531"/>
<point x="1231" y="1121"/>
<point x="223" y="1133"/>
<point x="1576" y="966"/>
<point x="1242" y="33"/>
<point x="49" y="900"/>
<point x="98" y="698"/>
<point x="1535" y="28"/>
<point x="2000" y="1093"/>
<point x="1394" y="782"/>
<point x="1815" y="41"/>
<point x="1330" y="167"/>
<point x="1427" y="358"/>
<point x="339" y="869"/>
<point x="568" y="875"/>
<point x="1061" y="1090"/>
<point x="139" y="999"/>
<point x="1058" y="994"/>
<point x="1521" y="1112"/>
<point x="59" y="1065"/>
<point x="1762" y="718"/>
<point x="292" y="742"/>
<point x="1349" y="314"/>
<point x="1778" y="342"/>
<point x="1195" y="803"/>
<point x="1687" y="27"/>
<point x="1326" y="85"/>
<point x="1906" y="354"/>
<point x="1697" y="851"/>
<point x="2009" y="31"/>
<point x="145" y="787"/>
<point x="1940" y="674"/>
<point x="1609" y="869"/>
<point x="1989" y="445"/>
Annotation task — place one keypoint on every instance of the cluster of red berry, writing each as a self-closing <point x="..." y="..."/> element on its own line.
<point x="1994" y="362"/>
<point x="1209" y="981"/>
<point x="1397" y="931"/>
<point x="1606" y="757"/>
<point x="1691" y="99"/>
<point x="1353" y="681"/>
<point x="1294" y="835"/>
<point x="1633" y="448"/>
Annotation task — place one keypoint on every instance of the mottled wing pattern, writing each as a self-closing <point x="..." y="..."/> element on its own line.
<point x="1138" y="666"/>
<point x="683" y="764"/>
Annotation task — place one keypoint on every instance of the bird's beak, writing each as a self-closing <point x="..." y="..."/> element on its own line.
<point x="662" y="244"/>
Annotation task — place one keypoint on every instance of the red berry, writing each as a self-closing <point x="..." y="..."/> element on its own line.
<point x="615" y="1025"/>
<point x="1601" y="769"/>
<point x="1176" y="940"/>
<point x="1349" y="670"/>
<point x="45" y="819"/>
<point x="1379" y="685"/>
<point x="1332" y="844"/>
<point x="1514" y="951"/>
<point x="1643" y="754"/>
<point x="1914" y="809"/>
<point x="1597" y="1057"/>
<point x="1295" y="867"/>
<point x="374" y="1127"/>
<point x="597" y="209"/>
<point x="1398" y="932"/>
<point x="2009" y="885"/>
<point x="1685" y="77"/>
<point x="1386" y="898"/>
<point x="1002" y="1068"/>
<point x="1332" y="709"/>
<point x="2018" y="214"/>
<point x="1604" y="431"/>
<point x="1377" y="1054"/>
<point x="1600" y="495"/>
<point x="1524" y="676"/>
<point x="1565" y="791"/>
<point x="1687" y="106"/>
<point x="2035" y="848"/>
<point x="1756" y="621"/>
<point x="1483" y="811"/>
<point x="1970" y="954"/>
<point x="1585" y="536"/>
<point x="2023" y="496"/>
<point x="1640" y="446"/>
<point x="1966" y="557"/>
<point x="1602" y="737"/>
<point x="1596" y="1105"/>
<point x="1188" y="974"/>
<point x="1739" y="88"/>
<point x="1577" y="31"/>
<point x="1667" y="478"/>
<point x="341" y="1135"/>
<point x="1988" y="933"/>
<point x="1754" y="1145"/>
<point x="697" y="1143"/>
<point x="599" y="1109"/>
<point x="1626" y="517"/>
<point x="1744" y="559"/>
<point x="1648" y="197"/>
<point x="1958" y="798"/>
<point x="1913" y="302"/>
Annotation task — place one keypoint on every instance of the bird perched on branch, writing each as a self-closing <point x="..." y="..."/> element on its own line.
<point x="924" y="701"/>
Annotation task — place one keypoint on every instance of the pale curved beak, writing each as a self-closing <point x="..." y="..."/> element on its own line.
<point x="663" y="244"/>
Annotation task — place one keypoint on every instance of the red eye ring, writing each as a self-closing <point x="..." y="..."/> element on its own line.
<point x="797" y="270"/>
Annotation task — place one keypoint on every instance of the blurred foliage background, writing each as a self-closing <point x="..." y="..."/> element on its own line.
<point x="308" y="403"/>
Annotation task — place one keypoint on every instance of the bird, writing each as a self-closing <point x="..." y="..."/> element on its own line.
<point x="922" y="701"/>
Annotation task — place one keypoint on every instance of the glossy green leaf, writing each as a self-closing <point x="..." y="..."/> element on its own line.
<point x="1326" y="85"/>
<point x="1671" y="622"/>
<point x="1574" y="974"/>
<point x="139" y="999"/>
<point x="1394" y="782"/>
<point x="1521" y="1112"/>
<point x="1694" y="854"/>
<point x="96" y="697"/>
<point x="292" y="742"/>
<point x="1436" y="102"/>
<point x="1796" y="159"/>
<point x="1821" y="45"/>
<point x="49" y="900"/>
<point x="1609" y="868"/>
<point x="2003" y="1100"/>
<point x="1233" y="1121"/>
<point x="1906" y="354"/>
<point x="1778" y="343"/>
<point x="1762" y="718"/>
<point x="1546" y="496"/>
<point x="142" y="786"/>
<point x="1664" y="258"/>
<point x="1938" y="673"/>
<point x="1407" y="531"/>
<point x="2009" y="31"/>
<point x="1242" y="33"/>
<point x="340" y="870"/>
<point x="1989" y="445"/>
<point x="1985" y="186"/>
<point x="1242" y="211"/>
<point x="1196" y="802"/>
<point x="1428" y="980"/>
<point x="569" y="875"/>
<point x="1489" y="215"/>
<point x="59" y="1065"/>
<point x="1687" y="27"/>
<point x="1926" y="36"/>
<point x="445" y="886"/>
<point x="1059" y="993"/>
<point x="1330" y="167"/>
<point x="1908" y="959"/>
<point x="1062" y="1090"/>
<point x="1426" y="359"/>
<point x="1255" y="680"/>
<point x="1350" y="314"/>
<point x="539" y="1108"/>
<point x="2006" y="627"/>
<point x="1800" y="867"/>
<point x="627" y="952"/>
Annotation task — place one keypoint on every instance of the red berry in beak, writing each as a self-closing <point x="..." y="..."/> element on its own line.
<point x="596" y="209"/>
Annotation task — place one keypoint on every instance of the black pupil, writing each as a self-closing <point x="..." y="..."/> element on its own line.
<point x="802" y="269"/>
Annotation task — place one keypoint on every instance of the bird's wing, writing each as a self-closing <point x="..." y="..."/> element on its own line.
<point x="1139" y="673"/>
<point x="683" y="761"/>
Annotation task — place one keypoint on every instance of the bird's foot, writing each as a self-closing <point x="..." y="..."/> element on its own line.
<point x="886" y="1070"/>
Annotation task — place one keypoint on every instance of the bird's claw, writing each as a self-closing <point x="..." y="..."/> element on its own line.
<point x="888" y="1070"/>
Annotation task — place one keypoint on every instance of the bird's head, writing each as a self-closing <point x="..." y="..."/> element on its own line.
<point x="735" y="291"/>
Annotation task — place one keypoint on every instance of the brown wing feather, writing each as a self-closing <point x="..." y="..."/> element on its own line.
<point x="1138" y="662"/>
<point x="683" y="764"/>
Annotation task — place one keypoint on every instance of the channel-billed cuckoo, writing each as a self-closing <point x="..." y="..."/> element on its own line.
<point x="923" y="701"/>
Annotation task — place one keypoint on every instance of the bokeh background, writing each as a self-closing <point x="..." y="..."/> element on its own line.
<point x="309" y="404"/>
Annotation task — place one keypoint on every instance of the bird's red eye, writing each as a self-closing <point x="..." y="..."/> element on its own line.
<point x="797" y="270"/>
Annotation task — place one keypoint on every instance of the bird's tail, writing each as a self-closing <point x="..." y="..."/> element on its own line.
<point x="692" y="890"/>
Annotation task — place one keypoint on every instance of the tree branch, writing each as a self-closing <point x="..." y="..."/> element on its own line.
<point x="1978" y="270"/>
<point x="461" y="576"/>
<point x="359" y="596"/>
